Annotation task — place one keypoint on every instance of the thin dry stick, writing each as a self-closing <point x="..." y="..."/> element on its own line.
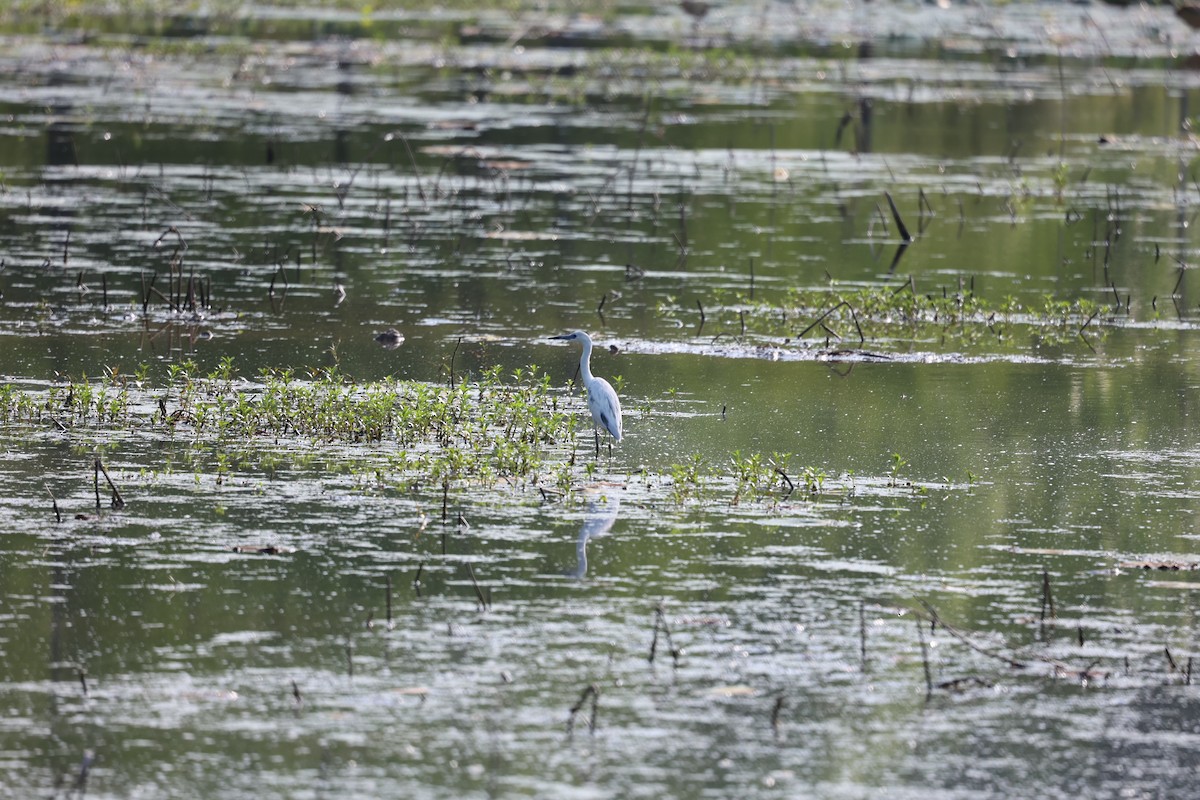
<point x="1047" y="597"/>
<point x="117" y="500"/>
<point x="819" y="320"/>
<point x="862" y="634"/>
<point x="483" y="603"/>
<point x="53" y="502"/>
<point x="962" y="637"/>
<point x="925" y="658"/>
<point x="453" y="353"/>
<point x="389" y="602"/>
<point x="904" y="234"/>
<point x="791" y="486"/>
<point x="660" y="623"/>
<point x="590" y="691"/>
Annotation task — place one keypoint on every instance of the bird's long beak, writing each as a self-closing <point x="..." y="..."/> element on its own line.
<point x="559" y="337"/>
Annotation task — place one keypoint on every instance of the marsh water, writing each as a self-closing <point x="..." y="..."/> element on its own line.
<point x="985" y="589"/>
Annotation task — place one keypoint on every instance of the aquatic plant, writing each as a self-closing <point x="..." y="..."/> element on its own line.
<point x="859" y="314"/>
<point x="493" y="433"/>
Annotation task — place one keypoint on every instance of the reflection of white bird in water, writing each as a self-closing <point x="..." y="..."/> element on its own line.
<point x="601" y="514"/>
<point x="602" y="399"/>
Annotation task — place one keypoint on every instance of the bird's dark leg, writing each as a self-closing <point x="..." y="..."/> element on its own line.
<point x="596" y="431"/>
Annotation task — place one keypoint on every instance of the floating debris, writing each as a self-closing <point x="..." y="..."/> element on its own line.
<point x="1162" y="566"/>
<point x="263" y="550"/>
<point x="390" y="339"/>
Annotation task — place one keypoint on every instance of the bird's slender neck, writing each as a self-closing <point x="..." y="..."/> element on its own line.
<point x="585" y="361"/>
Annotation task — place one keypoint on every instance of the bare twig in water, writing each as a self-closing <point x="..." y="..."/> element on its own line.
<point x="592" y="692"/>
<point x="660" y="623"/>
<point x="925" y="658"/>
<point x="117" y="500"/>
<point x="862" y="634"/>
<point x="1047" y="598"/>
<point x="934" y="619"/>
<point x="483" y="603"/>
<point x="54" y="503"/>
<point x="819" y="320"/>
<point x="389" y="601"/>
<point x="453" y="353"/>
<point x="904" y="234"/>
<point x="791" y="486"/>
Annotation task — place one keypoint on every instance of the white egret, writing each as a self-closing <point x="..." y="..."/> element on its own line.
<point x="602" y="399"/>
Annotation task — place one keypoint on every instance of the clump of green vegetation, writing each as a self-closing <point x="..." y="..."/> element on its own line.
<point x="856" y="315"/>
<point x="479" y="432"/>
<point x="497" y="431"/>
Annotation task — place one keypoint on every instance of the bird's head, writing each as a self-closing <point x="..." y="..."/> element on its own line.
<point x="574" y="336"/>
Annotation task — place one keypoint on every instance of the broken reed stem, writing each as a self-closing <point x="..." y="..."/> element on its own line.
<point x="592" y="692"/>
<point x="117" y="501"/>
<point x="453" y="353"/>
<point x="483" y="603"/>
<point x="54" y="503"/>
<point x="862" y="634"/>
<point x="660" y="623"/>
<point x="146" y="287"/>
<point x="904" y="234"/>
<point x="1047" y="598"/>
<point x="925" y="658"/>
<point x="683" y="233"/>
<point x="388" y="578"/>
<point x="962" y="637"/>
<point x="791" y="486"/>
<point x="821" y="319"/>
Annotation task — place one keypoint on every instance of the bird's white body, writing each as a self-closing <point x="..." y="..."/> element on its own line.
<point x="602" y="399"/>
